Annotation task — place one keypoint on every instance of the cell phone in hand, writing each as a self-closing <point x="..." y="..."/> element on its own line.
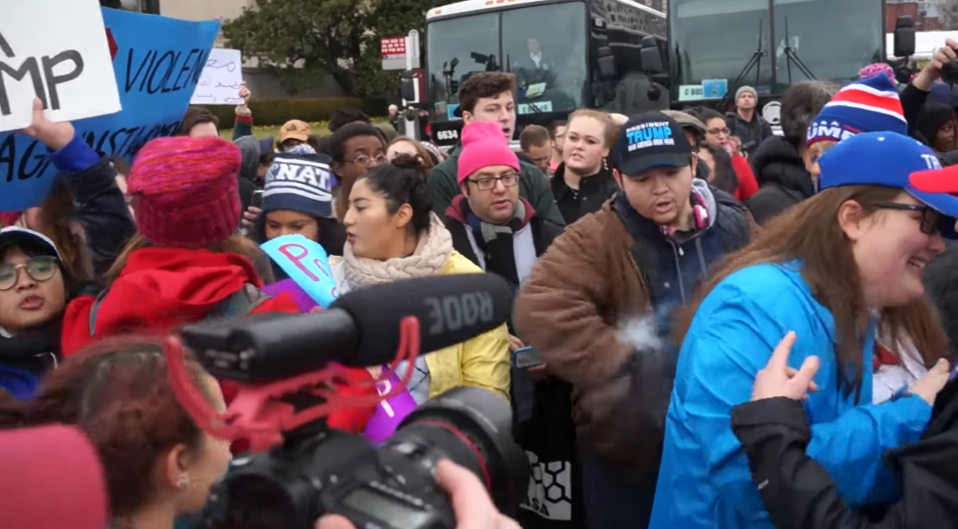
<point x="257" y="199"/>
<point x="526" y="357"/>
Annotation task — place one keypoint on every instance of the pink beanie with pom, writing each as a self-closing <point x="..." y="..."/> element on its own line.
<point x="484" y="146"/>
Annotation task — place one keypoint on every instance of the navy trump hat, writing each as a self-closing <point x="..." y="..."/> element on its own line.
<point x="892" y="160"/>
<point x="651" y="139"/>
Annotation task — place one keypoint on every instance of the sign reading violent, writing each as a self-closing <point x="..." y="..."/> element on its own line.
<point x="156" y="64"/>
<point x="69" y="70"/>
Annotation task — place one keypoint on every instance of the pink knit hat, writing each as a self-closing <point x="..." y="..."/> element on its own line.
<point x="186" y="191"/>
<point x="483" y="145"/>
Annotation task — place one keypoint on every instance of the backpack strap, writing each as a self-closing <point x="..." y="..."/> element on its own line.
<point x="238" y="305"/>
<point x="95" y="309"/>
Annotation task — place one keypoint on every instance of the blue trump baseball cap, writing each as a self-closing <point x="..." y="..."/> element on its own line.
<point x="890" y="159"/>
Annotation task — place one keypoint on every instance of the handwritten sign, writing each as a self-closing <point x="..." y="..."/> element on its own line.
<point x="390" y="412"/>
<point x="306" y="263"/>
<point x="70" y="70"/>
<point x="157" y="62"/>
<point x="221" y="79"/>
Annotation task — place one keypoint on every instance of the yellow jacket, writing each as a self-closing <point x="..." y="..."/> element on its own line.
<point x="482" y="361"/>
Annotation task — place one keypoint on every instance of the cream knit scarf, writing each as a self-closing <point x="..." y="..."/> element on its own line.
<point x="430" y="255"/>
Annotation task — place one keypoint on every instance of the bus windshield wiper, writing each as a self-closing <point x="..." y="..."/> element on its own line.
<point x="791" y="54"/>
<point x="755" y="61"/>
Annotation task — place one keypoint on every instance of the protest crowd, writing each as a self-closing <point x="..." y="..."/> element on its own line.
<point x="710" y="325"/>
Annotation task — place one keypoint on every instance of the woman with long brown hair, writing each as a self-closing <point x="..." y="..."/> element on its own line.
<point x="830" y="269"/>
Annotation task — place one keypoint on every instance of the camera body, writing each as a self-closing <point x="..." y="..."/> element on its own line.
<point x="289" y="377"/>
<point x="949" y="72"/>
<point x="319" y="470"/>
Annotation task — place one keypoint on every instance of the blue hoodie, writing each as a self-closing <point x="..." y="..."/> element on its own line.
<point x="704" y="480"/>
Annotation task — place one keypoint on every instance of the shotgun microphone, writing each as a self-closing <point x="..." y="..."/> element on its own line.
<point x="360" y="329"/>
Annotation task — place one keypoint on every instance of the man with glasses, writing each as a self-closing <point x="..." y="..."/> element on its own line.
<point x="501" y="232"/>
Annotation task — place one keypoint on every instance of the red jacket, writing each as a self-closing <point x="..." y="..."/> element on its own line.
<point x="161" y="289"/>
<point x="747" y="185"/>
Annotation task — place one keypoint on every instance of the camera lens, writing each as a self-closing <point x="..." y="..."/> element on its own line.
<point x="472" y="427"/>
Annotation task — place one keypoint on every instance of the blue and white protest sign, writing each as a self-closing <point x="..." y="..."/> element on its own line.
<point x="157" y="62"/>
<point x="71" y="74"/>
<point x="306" y="263"/>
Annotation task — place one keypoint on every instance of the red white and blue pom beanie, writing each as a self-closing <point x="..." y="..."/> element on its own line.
<point x="869" y="105"/>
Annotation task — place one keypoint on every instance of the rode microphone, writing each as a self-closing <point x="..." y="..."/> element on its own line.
<point x="275" y="356"/>
<point x="360" y="329"/>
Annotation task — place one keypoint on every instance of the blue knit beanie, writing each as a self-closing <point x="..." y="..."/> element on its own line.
<point x="300" y="181"/>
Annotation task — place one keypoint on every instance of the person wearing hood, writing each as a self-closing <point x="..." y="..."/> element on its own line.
<point x="936" y="125"/>
<point x="635" y="260"/>
<point x="186" y="263"/>
<point x="186" y="237"/>
<point x="778" y="162"/>
<point x="257" y="155"/>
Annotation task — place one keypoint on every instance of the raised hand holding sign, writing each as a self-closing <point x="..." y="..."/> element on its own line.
<point x="306" y="263"/>
<point x="71" y="74"/>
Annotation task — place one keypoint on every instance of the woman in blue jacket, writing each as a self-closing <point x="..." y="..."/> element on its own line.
<point x="828" y="269"/>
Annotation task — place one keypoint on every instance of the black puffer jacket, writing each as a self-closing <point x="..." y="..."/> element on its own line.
<point x="782" y="179"/>
<point x="941" y="284"/>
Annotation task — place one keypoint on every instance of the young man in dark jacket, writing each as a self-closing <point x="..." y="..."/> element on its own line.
<point x="745" y="121"/>
<point x="635" y="260"/>
<point x="491" y="96"/>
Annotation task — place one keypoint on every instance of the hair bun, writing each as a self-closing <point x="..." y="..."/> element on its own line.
<point x="407" y="161"/>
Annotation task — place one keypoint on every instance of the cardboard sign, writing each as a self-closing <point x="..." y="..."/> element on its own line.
<point x="306" y="263"/>
<point x="57" y="51"/>
<point x="390" y="412"/>
<point x="221" y="80"/>
<point x="157" y="62"/>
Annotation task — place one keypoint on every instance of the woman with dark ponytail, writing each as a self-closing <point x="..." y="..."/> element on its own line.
<point x="392" y="234"/>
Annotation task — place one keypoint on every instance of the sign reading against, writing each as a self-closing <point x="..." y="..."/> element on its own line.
<point x="306" y="263"/>
<point x="157" y="63"/>
<point x="57" y="51"/>
<point x="221" y="79"/>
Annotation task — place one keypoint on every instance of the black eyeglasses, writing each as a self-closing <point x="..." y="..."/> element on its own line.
<point x="930" y="219"/>
<point x="41" y="268"/>
<point x="487" y="183"/>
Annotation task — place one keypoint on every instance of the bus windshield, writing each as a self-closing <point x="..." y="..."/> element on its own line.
<point x="544" y="46"/>
<point x="712" y="43"/>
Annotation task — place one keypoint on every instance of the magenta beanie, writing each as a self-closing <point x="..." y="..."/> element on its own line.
<point x="186" y="191"/>
<point x="483" y="145"/>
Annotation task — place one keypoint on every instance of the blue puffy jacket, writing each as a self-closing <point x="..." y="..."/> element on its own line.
<point x="704" y="480"/>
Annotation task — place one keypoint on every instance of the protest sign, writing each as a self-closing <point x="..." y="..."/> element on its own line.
<point x="221" y="79"/>
<point x="157" y="63"/>
<point x="288" y="286"/>
<point x="306" y="263"/>
<point x="56" y="51"/>
<point x="390" y="412"/>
